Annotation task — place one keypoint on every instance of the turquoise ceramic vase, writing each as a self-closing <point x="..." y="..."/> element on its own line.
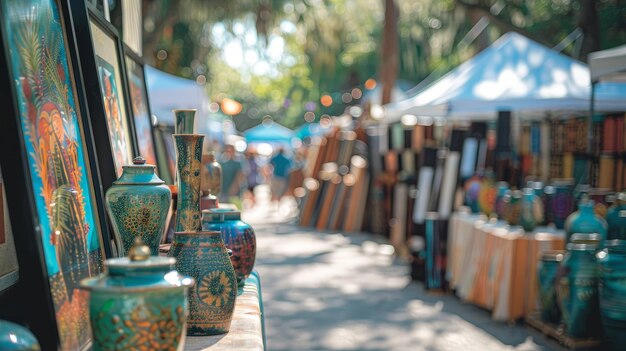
<point x="138" y="204"/>
<point x="184" y="120"/>
<point x="547" y="273"/>
<point x="585" y="221"/>
<point x="202" y="255"/>
<point x="472" y="191"/>
<point x="238" y="236"/>
<point x="612" y="263"/>
<point x="616" y="218"/>
<point x="188" y="162"/>
<point x="14" y="337"/>
<point x="578" y="291"/>
<point x="140" y="305"/>
<point x="502" y="188"/>
<point x="532" y="210"/>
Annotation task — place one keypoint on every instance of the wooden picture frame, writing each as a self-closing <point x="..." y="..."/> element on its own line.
<point x="140" y="106"/>
<point x="50" y="172"/>
<point x="102" y="62"/>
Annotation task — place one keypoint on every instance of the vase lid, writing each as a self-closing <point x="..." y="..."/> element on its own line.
<point x="221" y="214"/>
<point x="16" y="337"/>
<point x="553" y="255"/>
<point x="139" y="173"/>
<point x="582" y="246"/>
<point x="138" y="271"/>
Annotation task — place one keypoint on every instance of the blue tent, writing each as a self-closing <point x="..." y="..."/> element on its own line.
<point x="516" y="74"/>
<point x="310" y="130"/>
<point x="271" y="133"/>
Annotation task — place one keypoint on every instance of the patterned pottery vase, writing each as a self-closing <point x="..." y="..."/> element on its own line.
<point x="547" y="273"/>
<point x="487" y="197"/>
<point x="502" y="188"/>
<point x="14" y="337"/>
<point x="188" y="163"/>
<point x="203" y="256"/>
<point x="585" y="221"/>
<point x="513" y="204"/>
<point x="140" y="305"/>
<point x="578" y="291"/>
<point x="238" y="236"/>
<point x="138" y="204"/>
<point x="184" y="120"/>
<point x="532" y="210"/>
<point x="612" y="265"/>
<point x="616" y="218"/>
<point x="561" y="201"/>
<point x="472" y="191"/>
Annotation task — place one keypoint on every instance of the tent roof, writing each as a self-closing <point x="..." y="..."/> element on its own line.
<point x="608" y="64"/>
<point x="310" y="129"/>
<point x="514" y="73"/>
<point x="269" y="132"/>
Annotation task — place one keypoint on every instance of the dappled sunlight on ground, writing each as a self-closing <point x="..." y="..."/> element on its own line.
<point x="335" y="291"/>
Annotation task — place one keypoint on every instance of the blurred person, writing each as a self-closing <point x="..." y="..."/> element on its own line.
<point x="280" y="174"/>
<point x="252" y="173"/>
<point x="232" y="174"/>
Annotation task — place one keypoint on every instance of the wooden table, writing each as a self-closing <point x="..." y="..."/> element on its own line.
<point x="494" y="265"/>
<point x="247" y="329"/>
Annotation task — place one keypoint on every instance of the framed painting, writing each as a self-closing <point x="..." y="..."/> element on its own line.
<point x="140" y="106"/>
<point x="54" y="200"/>
<point x="166" y="151"/>
<point x="104" y="77"/>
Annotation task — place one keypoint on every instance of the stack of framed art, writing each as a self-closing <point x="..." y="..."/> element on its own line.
<point x="75" y="111"/>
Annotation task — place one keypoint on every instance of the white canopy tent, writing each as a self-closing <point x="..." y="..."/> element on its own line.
<point x="608" y="65"/>
<point x="514" y="74"/>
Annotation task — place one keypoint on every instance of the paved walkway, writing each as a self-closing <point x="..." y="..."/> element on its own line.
<point x="334" y="291"/>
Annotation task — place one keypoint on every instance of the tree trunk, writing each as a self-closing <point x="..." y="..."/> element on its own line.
<point x="389" y="59"/>
<point x="589" y="24"/>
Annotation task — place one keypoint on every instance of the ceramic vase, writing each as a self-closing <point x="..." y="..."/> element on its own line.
<point x="532" y="210"/>
<point x="578" y="291"/>
<point x="202" y="255"/>
<point x="472" y="191"/>
<point x="14" y="337"/>
<point x="188" y="163"/>
<point x="138" y="204"/>
<point x="501" y="190"/>
<point x="184" y="121"/>
<point x="238" y="236"/>
<point x="487" y="197"/>
<point x="612" y="264"/>
<point x="561" y="201"/>
<point x="140" y="305"/>
<point x="513" y="204"/>
<point x="585" y="221"/>
<point x="616" y="218"/>
<point x="547" y="274"/>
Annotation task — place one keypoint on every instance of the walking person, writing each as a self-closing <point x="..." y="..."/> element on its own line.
<point x="280" y="174"/>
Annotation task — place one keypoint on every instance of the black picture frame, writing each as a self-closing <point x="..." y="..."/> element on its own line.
<point x="139" y="99"/>
<point x="32" y="302"/>
<point x="84" y="16"/>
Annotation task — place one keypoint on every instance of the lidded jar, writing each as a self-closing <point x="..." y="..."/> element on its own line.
<point x="238" y="236"/>
<point x="140" y="304"/>
<point x="616" y="218"/>
<point x="138" y="204"/>
<point x="612" y="265"/>
<point x="585" y="221"/>
<point x="547" y="274"/>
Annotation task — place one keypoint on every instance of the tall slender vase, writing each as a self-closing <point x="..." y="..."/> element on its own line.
<point x="188" y="163"/>
<point x="184" y="121"/>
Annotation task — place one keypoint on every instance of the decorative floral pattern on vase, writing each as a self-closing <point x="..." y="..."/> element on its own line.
<point x="59" y="168"/>
<point x="188" y="161"/>
<point x="152" y="326"/>
<point x="143" y="215"/>
<point x="203" y="256"/>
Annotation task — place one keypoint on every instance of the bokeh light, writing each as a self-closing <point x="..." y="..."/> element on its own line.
<point x="357" y="93"/>
<point x="231" y="107"/>
<point x="309" y="116"/>
<point x="326" y="100"/>
<point x="370" y="84"/>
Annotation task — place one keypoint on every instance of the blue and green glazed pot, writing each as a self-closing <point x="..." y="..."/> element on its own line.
<point x="547" y="274"/>
<point x="202" y="255"/>
<point x="532" y="210"/>
<point x="616" y="218"/>
<point x="585" y="221"/>
<point x="138" y="204"/>
<point x="513" y="203"/>
<point x="188" y="163"/>
<point x="238" y="236"/>
<point x="578" y="291"/>
<point x="612" y="264"/>
<point x="14" y="337"/>
<point x="140" y="305"/>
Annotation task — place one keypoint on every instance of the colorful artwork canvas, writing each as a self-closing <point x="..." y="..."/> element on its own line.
<point x="56" y="154"/>
<point x="109" y="75"/>
<point x="139" y="103"/>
